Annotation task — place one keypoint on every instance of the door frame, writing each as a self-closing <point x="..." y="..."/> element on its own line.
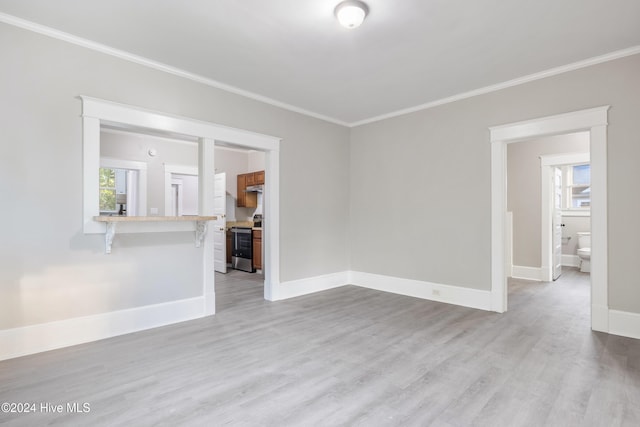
<point x="593" y="120"/>
<point x="547" y="162"/>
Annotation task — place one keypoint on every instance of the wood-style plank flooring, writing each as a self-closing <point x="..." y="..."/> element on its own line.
<point x="346" y="357"/>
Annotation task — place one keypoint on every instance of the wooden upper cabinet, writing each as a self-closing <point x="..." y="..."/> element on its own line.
<point x="246" y="200"/>
<point x="249" y="200"/>
<point x="242" y="195"/>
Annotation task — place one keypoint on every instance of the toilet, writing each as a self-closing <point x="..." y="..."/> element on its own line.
<point x="584" y="250"/>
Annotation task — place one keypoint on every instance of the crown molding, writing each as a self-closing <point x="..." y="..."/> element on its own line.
<point x="504" y="85"/>
<point x="127" y="56"/>
<point x="70" y="38"/>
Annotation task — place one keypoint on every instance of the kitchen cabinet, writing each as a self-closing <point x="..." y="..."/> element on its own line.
<point x="249" y="200"/>
<point x="244" y="199"/>
<point x="257" y="249"/>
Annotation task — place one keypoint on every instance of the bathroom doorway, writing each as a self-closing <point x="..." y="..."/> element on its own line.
<point x="595" y="122"/>
<point x="538" y="201"/>
<point x="570" y="215"/>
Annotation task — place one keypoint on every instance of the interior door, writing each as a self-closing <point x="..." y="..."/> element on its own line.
<point x="557" y="222"/>
<point x="220" y="225"/>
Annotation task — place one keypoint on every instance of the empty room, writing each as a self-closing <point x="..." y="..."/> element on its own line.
<point x="332" y="213"/>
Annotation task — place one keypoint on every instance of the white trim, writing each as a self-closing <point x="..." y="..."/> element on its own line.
<point x="271" y="226"/>
<point x="624" y="323"/>
<point x="141" y="60"/>
<point x="79" y="41"/>
<point x="181" y="169"/>
<point x="527" y="273"/>
<point x="169" y="170"/>
<point x="564" y="159"/>
<point x="570" y="260"/>
<point x="457" y="295"/>
<point x="63" y="333"/>
<point x="575" y="212"/>
<point x="504" y="85"/>
<point x="546" y="220"/>
<point x="551" y="125"/>
<point x="508" y="241"/>
<point x="206" y="206"/>
<point x="310" y="285"/>
<point x="143" y="118"/>
<point x="594" y="120"/>
<point x="141" y="167"/>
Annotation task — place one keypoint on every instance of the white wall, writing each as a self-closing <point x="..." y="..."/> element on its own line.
<point x="436" y="164"/>
<point x="50" y="270"/>
<point x="256" y="161"/>
<point x="189" y="193"/>
<point x="131" y="146"/>
<point x="572" y="226"/>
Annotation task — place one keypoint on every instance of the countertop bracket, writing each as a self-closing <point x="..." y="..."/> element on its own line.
<point x="112" y="221"/>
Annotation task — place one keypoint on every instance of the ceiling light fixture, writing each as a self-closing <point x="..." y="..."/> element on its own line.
<point x="351" y="13"/>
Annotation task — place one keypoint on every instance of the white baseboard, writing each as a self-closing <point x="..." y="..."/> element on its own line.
<point x="63" y="333"/>
<point x="527" y="273"/>
<point x="624" y="323"/>
<point x="457" y="295"/>
<point x="599" y="318"/>
<point x="48" y="336"/>
<point x="296" y="288"/>
<point x="570" y="260"/>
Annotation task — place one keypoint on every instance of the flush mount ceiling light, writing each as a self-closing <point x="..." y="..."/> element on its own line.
<point x="351" y="13"/>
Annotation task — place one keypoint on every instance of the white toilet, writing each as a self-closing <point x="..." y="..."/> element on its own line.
<point x="584" y="251"/>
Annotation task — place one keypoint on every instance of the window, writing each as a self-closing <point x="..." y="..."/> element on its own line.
<point x="112" y="182"/>
<point x="577" y="187"/>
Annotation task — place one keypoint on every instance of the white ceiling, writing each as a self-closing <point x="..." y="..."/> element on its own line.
<point x="293" y="52"/>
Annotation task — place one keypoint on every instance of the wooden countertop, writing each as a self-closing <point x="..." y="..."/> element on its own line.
<point x="119" y="218"/>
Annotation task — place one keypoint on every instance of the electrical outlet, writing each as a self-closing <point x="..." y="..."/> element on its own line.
<point x="435" y="292"/>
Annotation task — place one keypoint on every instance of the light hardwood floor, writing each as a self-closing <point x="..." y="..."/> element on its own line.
<point x="348" y="356"/>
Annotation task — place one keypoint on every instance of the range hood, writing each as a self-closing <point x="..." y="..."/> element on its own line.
<point x="254" y="189"/>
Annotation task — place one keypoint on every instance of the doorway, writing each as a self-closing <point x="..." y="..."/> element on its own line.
<point x="595" y="122"/>
<point x="537" y="180"/>
<point x="577" y="218"/>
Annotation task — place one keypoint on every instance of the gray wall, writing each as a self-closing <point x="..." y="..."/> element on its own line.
<point x="50" y="270"/>
<point x="408" y="197"/>
<point x="435" y="164"/>
<point x="524" y="192"/>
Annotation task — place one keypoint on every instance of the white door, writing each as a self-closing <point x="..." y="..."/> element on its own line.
<point x="557" y="223"/>
<point x="220" y="225"/>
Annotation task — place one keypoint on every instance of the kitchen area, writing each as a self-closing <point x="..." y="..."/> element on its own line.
<point x="244" y="238"/>
<point x="148" y="175"/>
<point x="245" y="186"/>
